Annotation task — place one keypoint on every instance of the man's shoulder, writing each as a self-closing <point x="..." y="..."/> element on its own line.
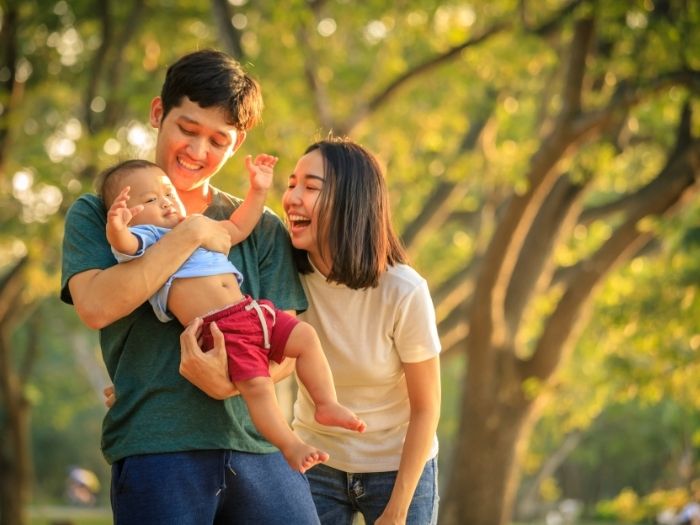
<point x="87" y="200"/>
<point x="223" y="204"/>
<point x="85" y="210"/>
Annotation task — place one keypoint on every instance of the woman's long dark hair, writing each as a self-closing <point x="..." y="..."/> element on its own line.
<point x="354" y="215"/>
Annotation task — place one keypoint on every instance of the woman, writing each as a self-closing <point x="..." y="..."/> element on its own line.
<point x="376" y="322"/>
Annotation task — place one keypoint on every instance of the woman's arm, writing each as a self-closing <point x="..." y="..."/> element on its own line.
<point x="423" y="382"/>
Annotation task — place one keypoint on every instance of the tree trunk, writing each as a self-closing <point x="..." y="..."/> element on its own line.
<point x="483" y="486"/>
<point x="15" y="469"/>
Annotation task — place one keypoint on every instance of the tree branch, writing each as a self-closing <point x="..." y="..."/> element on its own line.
<point x="535" y="266"/>
<point x="431" y="63"/>
<point x="318" y="91"/>
<point x="660" y="197"/>
<point x="9" y="89"/>
<point x="98" y="63"/>
<point x="230" y="36"/>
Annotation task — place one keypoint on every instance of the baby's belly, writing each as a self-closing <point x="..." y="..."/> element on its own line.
<point x="198" y="296"/>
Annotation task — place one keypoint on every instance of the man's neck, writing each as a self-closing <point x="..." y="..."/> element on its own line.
<point x="197" y="200"/>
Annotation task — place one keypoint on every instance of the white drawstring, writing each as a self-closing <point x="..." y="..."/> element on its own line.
<point x="254" y="305"/>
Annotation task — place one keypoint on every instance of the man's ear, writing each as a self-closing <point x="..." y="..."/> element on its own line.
<point x="240" y="138"/>
<point x="156" y="115"/>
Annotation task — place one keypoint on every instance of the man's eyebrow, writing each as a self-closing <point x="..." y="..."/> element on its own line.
<point x="224" y="135"/>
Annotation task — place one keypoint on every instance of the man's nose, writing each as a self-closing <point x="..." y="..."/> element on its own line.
<point x="198" y="148"/>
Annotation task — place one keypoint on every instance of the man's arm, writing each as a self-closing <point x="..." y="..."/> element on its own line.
<point x="104" y="296"/>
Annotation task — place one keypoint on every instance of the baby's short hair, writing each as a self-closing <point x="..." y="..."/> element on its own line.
<point x="108" y="182"/>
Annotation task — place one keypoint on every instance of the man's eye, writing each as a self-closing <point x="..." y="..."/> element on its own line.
<point x="186" y="131"/>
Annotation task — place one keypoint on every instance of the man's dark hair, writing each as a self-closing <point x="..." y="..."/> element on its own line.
<point x="211" y="78"/>
<point x="354" y="216"/>
<point x="108" y="182"/>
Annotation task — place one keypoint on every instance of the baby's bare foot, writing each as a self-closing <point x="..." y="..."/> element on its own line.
<point x="336" y="415"/>
<point x="301" y="457"/>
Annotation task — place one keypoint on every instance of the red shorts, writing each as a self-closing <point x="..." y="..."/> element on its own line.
<point x="250" y="344"/>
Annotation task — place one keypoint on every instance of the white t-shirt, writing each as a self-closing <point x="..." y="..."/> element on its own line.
<point x="366" y="336"/>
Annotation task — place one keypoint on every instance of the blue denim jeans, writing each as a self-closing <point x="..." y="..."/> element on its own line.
<point x="340" y="495"/>
<point x="209" y="487"/>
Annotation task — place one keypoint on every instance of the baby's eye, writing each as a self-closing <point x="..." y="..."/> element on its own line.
<point x="150" y="199"/>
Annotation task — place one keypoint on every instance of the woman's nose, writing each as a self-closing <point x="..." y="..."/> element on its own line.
<point x="293" y="195"/>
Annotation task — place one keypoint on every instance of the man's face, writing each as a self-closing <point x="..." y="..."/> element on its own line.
<point x="193" y="142"/>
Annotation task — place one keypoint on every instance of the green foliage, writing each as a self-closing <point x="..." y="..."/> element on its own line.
<point x="639" y="349"/>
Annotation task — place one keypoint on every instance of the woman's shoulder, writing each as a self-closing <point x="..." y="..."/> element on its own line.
<point x="402" y="278"/>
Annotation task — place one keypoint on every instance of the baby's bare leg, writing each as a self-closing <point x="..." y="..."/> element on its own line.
<point x="315" y="374"/>
<point x="259" y="395"/>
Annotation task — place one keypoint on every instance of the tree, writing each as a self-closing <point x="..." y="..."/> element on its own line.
<point x="528" y="151"/>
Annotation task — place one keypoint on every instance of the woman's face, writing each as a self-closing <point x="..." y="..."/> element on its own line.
<point x="299" y="201"/>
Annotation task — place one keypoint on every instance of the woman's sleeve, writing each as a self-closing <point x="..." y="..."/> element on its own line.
<point x="415" y="336"/>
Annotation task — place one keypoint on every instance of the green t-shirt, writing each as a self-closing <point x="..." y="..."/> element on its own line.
<point x="157" y="410"/>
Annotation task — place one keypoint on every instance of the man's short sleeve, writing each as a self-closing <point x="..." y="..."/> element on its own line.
<point x="279" y="279"/>
<point x="85" y="245"/>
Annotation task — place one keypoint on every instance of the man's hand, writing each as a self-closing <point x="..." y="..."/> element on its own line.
<point x="260" y="171"/>
<point x="208" y="371"/>
<point x="110" y="396"/>
<point x="211" y="234"/>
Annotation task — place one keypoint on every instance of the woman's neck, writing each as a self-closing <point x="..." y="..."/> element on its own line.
<point x="320" y="264"/>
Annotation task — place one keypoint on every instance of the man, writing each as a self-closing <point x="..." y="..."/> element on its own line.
<point x="177" y="454"/>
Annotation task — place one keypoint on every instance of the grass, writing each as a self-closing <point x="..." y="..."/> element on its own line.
<point x="55" y="515"/>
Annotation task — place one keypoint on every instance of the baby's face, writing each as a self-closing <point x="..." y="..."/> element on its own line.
<point x="152" y="189"/>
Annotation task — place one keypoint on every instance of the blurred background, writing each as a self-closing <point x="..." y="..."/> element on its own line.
<point x="542" y="158"/>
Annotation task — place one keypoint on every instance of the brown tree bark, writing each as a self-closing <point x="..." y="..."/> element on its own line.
<point x="15" y="469"/>
<point x="505" y="381"/>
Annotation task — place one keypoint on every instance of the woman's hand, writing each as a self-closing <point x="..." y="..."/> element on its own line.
<point x="385" y="520"/>
<point x="208" y="371"/>
<point x="110" y="396"/>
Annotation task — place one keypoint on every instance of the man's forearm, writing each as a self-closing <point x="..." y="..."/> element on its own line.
<point x="104" y="296"/>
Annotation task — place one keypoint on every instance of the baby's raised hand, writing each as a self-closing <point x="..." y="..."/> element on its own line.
<point x="119" y="214"/>
<point x="260" y="170"/>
